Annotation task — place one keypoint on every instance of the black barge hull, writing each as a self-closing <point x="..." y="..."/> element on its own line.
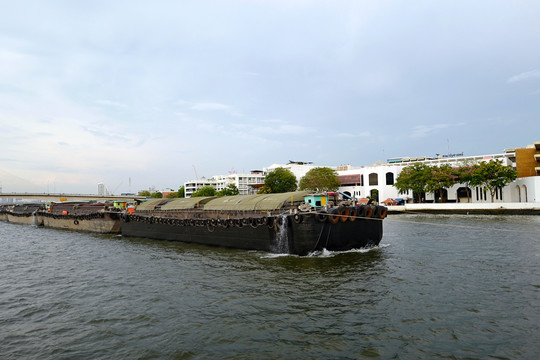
<point x="293" y="234"/>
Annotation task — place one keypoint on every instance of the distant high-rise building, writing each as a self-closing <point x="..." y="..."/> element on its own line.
<point x="101" y="190"/>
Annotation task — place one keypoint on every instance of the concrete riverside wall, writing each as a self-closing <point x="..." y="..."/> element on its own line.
<point x="469" y="208"/>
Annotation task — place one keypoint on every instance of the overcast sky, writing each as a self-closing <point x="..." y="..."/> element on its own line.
<point x="157" y="91"/>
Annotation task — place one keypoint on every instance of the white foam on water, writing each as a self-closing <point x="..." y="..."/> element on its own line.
<point x="325" y="253"/>
<point x="274" y="256"/>
<point x="282" y="239"/>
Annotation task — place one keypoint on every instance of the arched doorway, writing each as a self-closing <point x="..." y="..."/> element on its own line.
<point x="518" y="193"/>
<point x="441" y="195"/>
<point x="422" y="197"/>
<point x="524" y="193"/>
<point x="463" y="194"/>
<point x="374" y="194"/>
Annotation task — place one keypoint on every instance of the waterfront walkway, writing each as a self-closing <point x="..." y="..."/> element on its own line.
<point x="468" y="208"/>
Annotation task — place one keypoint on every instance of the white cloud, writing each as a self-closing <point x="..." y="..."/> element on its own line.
<point x="111" y="103"/>
<point x="15" y="64"/>
<point x="209" y="106"/>
<point x="533" y="74"/>
<point x="108" y="91"/>
<point x="353" y="135"/>
<point x="420" y="131"/>
<point x="279" y="127"/>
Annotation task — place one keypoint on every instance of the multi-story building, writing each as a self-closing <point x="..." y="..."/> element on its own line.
<point x="247" y="184"/>
<point x="298" y="168"/>
<point x="377" y="180"/>
<point x="101" y="189"/>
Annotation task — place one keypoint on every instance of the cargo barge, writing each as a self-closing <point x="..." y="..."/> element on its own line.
<point x="24" y="214"/>
<point x="292" y="223"/>
<point x="100" y="218"/>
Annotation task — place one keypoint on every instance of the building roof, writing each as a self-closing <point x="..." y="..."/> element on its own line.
<point x="353" y="179"/>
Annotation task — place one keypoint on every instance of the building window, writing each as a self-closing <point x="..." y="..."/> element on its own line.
<point x="389" y="178"/>
<point x="362" y="180"/>
<point x="477" y="193"/>
<point x="373" y="179"/>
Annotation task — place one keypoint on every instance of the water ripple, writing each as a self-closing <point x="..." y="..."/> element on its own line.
<point x="459" y="289"/>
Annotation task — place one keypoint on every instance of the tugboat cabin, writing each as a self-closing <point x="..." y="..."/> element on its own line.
<point x="316" y="200"/>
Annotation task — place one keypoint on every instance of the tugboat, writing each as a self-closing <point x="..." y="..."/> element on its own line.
<point x="294" y="223"/>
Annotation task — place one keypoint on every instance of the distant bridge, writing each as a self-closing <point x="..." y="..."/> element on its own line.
<point x="67" y="197"/>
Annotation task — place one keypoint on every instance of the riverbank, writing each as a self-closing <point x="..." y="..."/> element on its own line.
<point x="469" y="208"/>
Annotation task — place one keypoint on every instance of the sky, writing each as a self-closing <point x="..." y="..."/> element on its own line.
<point x="140" y="94"/>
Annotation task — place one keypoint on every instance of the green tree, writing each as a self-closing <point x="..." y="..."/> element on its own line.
<point x="157" y="195"/>
<point x="320" y="179"/>
<point x="264" y="190"/>
<point x="172" y="195"/>
<point x="228" y="191"/>
<point x="204" y="191"/>
<point x="181" y="192"/>
<point x="465" y="176"/>
<point x="280" y="180"/>
<point x="493" y="175"/>
<point x="374" y="194"/>
<point x="144" y="193"/>
<point x="414" y="177"/>
<point x="441" y="177"/>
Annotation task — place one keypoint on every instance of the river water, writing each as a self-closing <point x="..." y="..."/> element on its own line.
<point x="438" y="287"/>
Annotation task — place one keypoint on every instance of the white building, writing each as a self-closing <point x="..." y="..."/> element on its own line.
<point x="101" y="189"/>
<point x="299" y="169"/>
<point x="378" y="180"/>
<point x="247" y="184"/>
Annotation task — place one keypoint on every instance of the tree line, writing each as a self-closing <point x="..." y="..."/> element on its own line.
<point x="317" y="179"/>
<point x="282" y="180"/>
<point x="279" y="180"/>
<point x="203" y="191"/>
<point x="421" y="178"/>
